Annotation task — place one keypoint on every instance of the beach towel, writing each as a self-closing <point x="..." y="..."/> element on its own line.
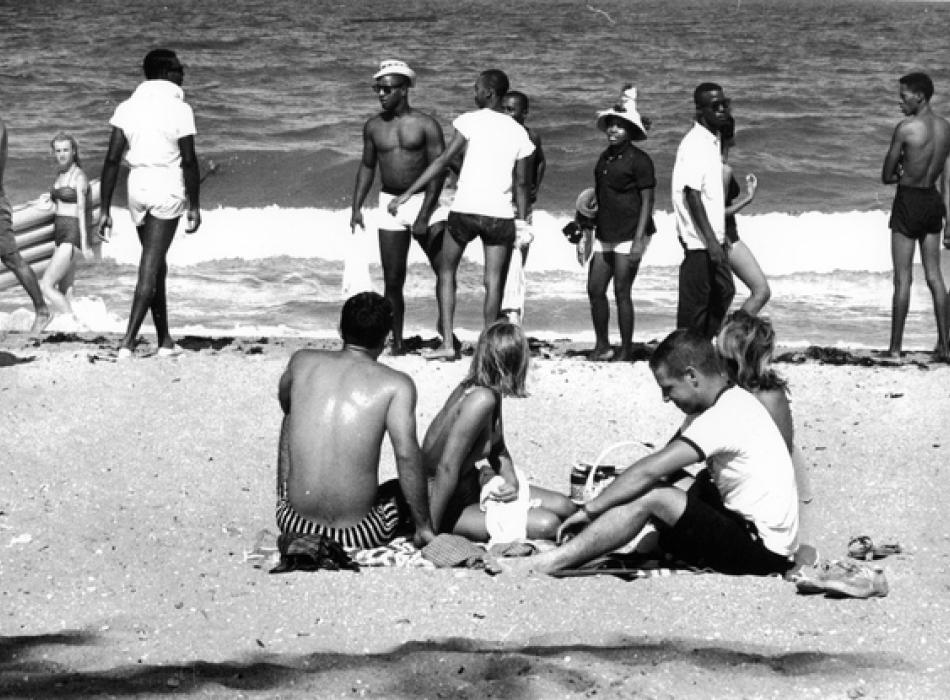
<point x="399" y="553"/>
<point x="630" y="567"/>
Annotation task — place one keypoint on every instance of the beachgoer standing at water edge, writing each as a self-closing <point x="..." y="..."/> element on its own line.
<point x="516" y="105"/>
<point x="494" y="146"/>
<point x="402" y="141"/>
<point x="705" y="278"/>
<point x="338" y="406"/>
<point x="10" y="254"/>
<point x="915" y="161"/>
<point x="158" y="129"/>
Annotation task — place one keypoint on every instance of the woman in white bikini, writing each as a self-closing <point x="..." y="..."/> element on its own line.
<point x="69" y="195"/>
<point x="464" y="449"/>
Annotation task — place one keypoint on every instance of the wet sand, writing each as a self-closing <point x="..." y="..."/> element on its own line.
<point x="131" y="491"/>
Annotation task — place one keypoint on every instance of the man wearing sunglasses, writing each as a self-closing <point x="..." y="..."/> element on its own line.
<point x="402" y="141"/>
<point x="705" y="278"/>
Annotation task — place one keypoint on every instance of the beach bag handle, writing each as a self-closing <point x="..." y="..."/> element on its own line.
<point x="589" y="486"/>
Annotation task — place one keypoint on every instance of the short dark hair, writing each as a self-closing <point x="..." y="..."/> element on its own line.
<point x="919" y="83"/>
<point x="157" y="62"/>
<point x="702" y="89"/>
<point x="683" y="348"/>
<point x="366" y="320"/>
<point x="520" y="96"/>
<point x="496" y="80"/>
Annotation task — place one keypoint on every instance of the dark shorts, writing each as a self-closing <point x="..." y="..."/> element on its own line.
<point x="7" y="241"/>
<point x="378" y="527"/>
<point x="66" y="230"/>
<point x="465" y="228"/>
<point x="917" y="211"/>
<point x="709" y="535"/>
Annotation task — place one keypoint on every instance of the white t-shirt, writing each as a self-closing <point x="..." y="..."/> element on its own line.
<point x="750" y="465"/>
<point x="495" y="143"/>
<point x="153" y="119"/>
<point x="699" y="166"/>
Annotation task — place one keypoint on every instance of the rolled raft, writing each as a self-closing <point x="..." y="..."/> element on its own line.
<point x="33" y="231"/>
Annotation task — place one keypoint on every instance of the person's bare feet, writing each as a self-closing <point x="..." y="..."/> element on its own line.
<point x="40" y="321"/>
<point x="522" y="566"/>
<point x="601" y="354"/>
<point x="442" y="355"/>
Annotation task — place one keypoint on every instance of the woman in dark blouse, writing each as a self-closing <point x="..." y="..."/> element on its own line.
<point x="624" y="183"/>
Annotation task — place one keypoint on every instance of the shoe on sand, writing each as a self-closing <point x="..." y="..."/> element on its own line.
<point x="124" y="354"/>
<point x="840" y="579"/>
<point x="173" y="351"/>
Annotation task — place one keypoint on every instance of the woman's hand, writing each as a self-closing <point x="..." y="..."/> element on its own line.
<point x="751" y="182"/>
<point x="574" y="522"/>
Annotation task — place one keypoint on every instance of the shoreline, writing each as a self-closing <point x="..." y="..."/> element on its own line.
<point x="133" y="490"/>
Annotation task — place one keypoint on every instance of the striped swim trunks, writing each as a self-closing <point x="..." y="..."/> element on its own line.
<point x="378" y="526"/>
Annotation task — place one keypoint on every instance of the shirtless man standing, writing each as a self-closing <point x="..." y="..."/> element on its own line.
<point x="403" y="141"/>
<point x="915" y="161"/>
<point x="10" y="254"/>
<point x="338" y="405"/>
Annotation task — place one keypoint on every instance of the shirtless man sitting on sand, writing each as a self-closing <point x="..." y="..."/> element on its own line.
<point x="338" y="405"/>
<point x="915" y="162"/>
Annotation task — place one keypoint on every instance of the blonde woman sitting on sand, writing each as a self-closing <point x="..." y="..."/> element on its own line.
<point x="490" y="502"/>
<point x="69" y="196"/>
<point x="743" y="262"/>
<point x="746" y="344"/>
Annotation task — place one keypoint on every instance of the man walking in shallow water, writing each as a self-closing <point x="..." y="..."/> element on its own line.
<point x="402" y="141"/>
<point x="915" y="161"/>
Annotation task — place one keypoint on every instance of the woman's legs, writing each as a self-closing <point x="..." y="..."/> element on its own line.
<point x="599" y="274"/>
<point x="58" y="270"/>
<point x="625" y="271"/>
<point x="747" y="269"/>
<point x="156" y="236"/>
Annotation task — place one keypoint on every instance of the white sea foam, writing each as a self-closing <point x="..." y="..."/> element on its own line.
<point x="783" y="243"/>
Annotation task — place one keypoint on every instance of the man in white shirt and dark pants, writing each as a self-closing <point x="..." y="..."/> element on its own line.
<point x="705" y="280"/>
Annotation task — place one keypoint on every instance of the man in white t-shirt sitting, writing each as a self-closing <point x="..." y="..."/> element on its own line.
<point x="494" y="145"/>
<point x="155" y="129"/>
<point x="740" y="516"/>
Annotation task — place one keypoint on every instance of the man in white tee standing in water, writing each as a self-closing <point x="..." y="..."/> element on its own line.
<point x="494" y="145"/>
<point x="158" y="129"/>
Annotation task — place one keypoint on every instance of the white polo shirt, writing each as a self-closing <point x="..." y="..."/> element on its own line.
<point x="495" y="143"/>
<point x="153" y="119"/>
<point x="699" y="166"/>
<point x="748" y="461"/>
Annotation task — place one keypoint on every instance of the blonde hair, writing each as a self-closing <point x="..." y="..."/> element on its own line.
<point x="746" y="344"/>
<point x="501" y="360"/>
<point x="63" y="136"/>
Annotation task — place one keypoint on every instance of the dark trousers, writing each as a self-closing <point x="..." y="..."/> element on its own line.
<point x="706" y="290"/>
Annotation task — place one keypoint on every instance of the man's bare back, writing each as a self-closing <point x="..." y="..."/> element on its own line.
<point x="339" y="407"/>
<point x="920" y="146"/>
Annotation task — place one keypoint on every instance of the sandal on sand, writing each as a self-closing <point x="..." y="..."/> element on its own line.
<point x="862" y="547"/>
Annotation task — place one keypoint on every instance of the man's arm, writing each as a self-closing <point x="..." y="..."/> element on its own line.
<point x="540" y="165"/>
<point x="401" y="426"/>
<point x="643" y="475"/>
<point x="192" y="174"/>
<point x="435" y="144"/>
<point x="108" y="177"/>
<point x="890" y="173"/>
<point x="364" y="177"/>
<point x="944" y="189"/>
<point x="522" y="177"/>
<point x="697" y="210"/>
<point x="3" y="149"/>
<point x="435" y="169"/>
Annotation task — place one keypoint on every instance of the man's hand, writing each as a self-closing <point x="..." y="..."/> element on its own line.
<point x="395" y="203"/>
<point x="751" y="182"/>
<point x="420" y="228"/>
<point x="576" y="521"/>
<point x="105" y="228"/>
<point x="194" y="220"/>
<point x="356" y="220"/>
<point x="523" y="233"/>
<point x="716" y="254"/>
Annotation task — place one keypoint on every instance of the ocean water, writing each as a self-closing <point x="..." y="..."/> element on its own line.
<point x="281" y="89"/>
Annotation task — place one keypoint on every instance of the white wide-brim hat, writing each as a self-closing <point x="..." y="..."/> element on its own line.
<point x="394" y="67"/>
<point x="625" y="110"/>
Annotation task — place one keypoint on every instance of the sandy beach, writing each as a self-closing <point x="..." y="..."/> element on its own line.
<point x="130" y="493"/>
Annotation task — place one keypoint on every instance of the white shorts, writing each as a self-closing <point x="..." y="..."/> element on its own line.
<point x="406" y="215"/>
<point x="156" y="191"/>
<point x="621" y="247"/>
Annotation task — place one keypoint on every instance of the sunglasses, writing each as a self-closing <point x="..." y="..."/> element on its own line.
<point x="387" y="89"/>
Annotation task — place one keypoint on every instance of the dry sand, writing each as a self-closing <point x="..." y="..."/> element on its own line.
<point x="129" y="493"/>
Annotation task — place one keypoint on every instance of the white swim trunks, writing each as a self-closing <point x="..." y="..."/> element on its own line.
<point x="405" y="216"/>
<point x="623" y="247"/>
<point x="156" y="191"/>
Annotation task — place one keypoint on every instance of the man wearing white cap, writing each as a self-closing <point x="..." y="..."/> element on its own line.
<point x="494" y="145"/>
<point x="705" y="278"/>
<point x="402" y="141"/>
